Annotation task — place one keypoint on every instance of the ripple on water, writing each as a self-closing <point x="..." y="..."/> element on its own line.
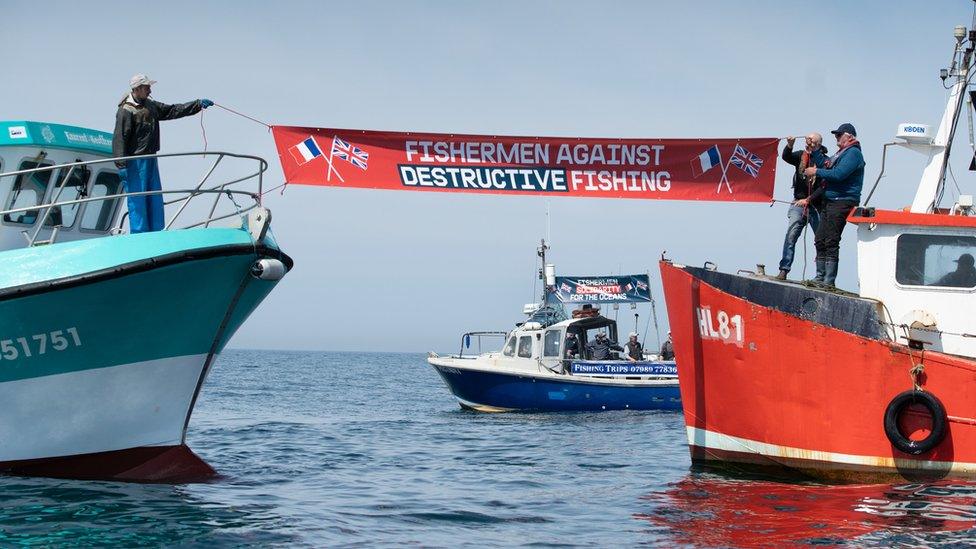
<point x="359" y="449"/>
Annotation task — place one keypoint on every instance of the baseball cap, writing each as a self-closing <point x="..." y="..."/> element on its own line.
<point x="846" y="127"/>
<point x="633" y="334"/>
<point x="965" y="259"/>
<point x="140" y="80"/>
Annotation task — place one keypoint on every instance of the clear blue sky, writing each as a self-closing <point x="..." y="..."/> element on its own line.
<point x="380" y="270"/>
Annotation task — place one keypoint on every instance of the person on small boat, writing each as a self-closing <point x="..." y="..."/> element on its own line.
<point x="600" y="347"/>
<point x="667" y="349"/>
<point x="137" y="133"/>
<point x="635" y="351"/>
<point x="843" y="174"/>
<point x="572" y="345"/>
<point x="803" y="211"/>
<point x="963" y="277"/>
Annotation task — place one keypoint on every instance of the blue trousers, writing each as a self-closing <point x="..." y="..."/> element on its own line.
<point x="798" y="219"/>
<point x="146" y="211"/>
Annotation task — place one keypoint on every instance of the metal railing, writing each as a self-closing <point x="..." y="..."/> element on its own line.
<point x="466" y="340"/>
<point x="184" y="196"/>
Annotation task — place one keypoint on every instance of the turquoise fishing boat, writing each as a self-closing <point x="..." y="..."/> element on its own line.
<point x="106" y="338"/>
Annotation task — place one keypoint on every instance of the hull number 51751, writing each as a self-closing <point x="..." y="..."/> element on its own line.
<point x="39" y="344"/>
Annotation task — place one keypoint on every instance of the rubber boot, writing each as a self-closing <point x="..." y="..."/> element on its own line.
<point x="821" y="272"/>
<point x="830" y="272"/>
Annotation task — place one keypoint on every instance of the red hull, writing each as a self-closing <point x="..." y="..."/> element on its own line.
<point x="790" y="392"/>
<point x="162" y="464"/>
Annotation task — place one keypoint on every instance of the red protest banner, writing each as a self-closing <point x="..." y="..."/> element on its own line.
<point x="678" y="169"/>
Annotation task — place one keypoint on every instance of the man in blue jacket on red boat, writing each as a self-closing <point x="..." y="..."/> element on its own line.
<point x="843" y="174"/>
<point x="137" y="133"/>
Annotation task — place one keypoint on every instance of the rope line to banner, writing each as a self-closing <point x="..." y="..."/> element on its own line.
<point x="203" y="130"/>
<point x="251" y="118"/>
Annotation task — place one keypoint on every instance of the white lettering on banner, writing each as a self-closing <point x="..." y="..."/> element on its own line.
<point x="721" y="327"/>
<point x="532" y="154"/>
<point x="627" y="181"/>
<point x="39" y="344"/>
<point x="504" y="179"/>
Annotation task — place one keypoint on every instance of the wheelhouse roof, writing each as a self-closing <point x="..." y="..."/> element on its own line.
<point x="26" y="133"/>
<point x="587" y="323"/>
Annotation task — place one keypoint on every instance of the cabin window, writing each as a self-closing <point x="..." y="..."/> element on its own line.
<point x="75" y="187"/>
<point x="525" y="347"/>
<point x="28" y="190"/>
<point x="509" y="347"/>
<point x="936" y="260"/>
<point x="551" y="345"/>
<point x="98" y="215"/>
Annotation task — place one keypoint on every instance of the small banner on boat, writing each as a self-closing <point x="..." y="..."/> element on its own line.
<point x="602" y="289"/>
<point x="681" y="169"/>
<point x="617" y="368"/>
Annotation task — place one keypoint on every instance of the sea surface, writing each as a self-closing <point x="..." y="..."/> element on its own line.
<point x="369" y="449"/>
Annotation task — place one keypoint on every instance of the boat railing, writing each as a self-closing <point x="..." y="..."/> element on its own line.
<point x="204" y="188"/>
<point x="467" y="337"/>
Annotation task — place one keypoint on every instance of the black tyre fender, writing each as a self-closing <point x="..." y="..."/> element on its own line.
<point x="935" y="409"/>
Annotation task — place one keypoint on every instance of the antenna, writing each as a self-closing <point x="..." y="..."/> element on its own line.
<point x="548" y="222"/>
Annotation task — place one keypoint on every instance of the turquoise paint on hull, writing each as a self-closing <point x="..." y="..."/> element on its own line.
<point x="21" y="133"/>
<point x="165" y="312"/>
<point x="43" y="263"/>
<point x="253" y="295"/>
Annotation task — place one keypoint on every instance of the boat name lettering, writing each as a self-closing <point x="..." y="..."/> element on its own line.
<point x="721" y="326"/>
<point x="39" y="344"/>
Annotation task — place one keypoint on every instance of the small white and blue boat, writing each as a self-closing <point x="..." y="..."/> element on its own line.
<point x="106" y="338"/>
<point x="545" y="365"/>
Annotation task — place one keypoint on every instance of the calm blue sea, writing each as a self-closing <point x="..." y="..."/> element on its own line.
<point x="365" y="449"/>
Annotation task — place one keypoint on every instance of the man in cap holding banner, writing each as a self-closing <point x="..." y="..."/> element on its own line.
<point x="843" y="174"/>
<point x="137" y="133"/>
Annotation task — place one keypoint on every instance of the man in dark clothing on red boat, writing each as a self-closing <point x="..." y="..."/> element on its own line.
<point x="803" y="211"/>
<point x="843" y="174"/>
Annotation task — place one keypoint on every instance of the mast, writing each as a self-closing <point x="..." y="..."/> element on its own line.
<point x="933" y="178"/>
<point x="544" y="271"/>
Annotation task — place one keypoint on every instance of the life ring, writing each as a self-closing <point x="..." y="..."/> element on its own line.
<point x="894" y="411"/>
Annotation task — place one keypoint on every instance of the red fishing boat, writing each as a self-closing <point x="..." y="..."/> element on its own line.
<point x="840" y="385"/>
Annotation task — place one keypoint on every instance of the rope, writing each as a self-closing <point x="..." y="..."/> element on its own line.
<point x="251" y="118"/>
<point x="204" y="131"/>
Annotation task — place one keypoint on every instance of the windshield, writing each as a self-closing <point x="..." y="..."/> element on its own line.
<point x="549" y="315"/>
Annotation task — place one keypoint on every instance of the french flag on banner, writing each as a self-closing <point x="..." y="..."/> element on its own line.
<point x="305" y="151"/>
<point x="706" y="161"/>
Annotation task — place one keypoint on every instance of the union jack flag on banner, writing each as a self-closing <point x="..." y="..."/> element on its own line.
<point x="350" y="153"/>
<point x="746" y="161"/>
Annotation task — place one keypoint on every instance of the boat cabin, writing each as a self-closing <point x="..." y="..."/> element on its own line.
<point x="26" y="145"/>
<point x="921" y="267"/>
<point x="555" y="345"/>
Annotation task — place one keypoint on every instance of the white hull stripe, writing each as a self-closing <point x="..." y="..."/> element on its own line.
<point x="100" y="410"/>
<point x="717" y="441"/>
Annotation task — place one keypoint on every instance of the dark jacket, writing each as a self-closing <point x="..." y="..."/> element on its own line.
<point x="137" y="125"/>
<point x="600" y="350"/>
<point x="801" y="189"/>
<point x="667" y="351"/>
<point x="635" y="350"/>
<point x="845" y="176"/>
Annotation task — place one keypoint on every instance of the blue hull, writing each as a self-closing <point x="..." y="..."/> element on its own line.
<point x="525" y="393"/>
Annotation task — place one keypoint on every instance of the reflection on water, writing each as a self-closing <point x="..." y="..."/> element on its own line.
<point x="47" y="512"/>
<point x="706" y="509"/>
